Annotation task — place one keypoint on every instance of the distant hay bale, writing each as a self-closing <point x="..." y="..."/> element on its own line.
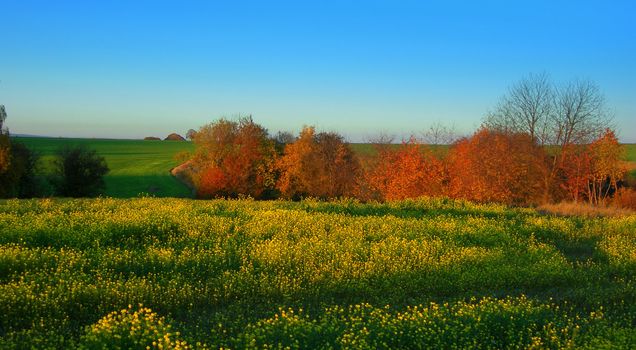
<point x="152" y="138"/>
<point x="174" y="137"/>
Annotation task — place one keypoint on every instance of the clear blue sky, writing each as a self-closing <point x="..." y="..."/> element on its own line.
<point x="129" y="69"/>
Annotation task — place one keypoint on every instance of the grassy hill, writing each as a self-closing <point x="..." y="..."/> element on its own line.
<point x="429" y="273"/>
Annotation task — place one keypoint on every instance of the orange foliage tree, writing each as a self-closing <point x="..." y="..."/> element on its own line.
<point x="234" y="158"/>
<point x="318" y="165"/>
<point x="406" y="172"/>
<point x="593" y="171"/>
<point x="495" y="166"/>
<point x="607" y="167"/>
<point x="576" y="171"/>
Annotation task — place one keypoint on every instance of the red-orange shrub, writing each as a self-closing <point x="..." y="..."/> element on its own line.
<point x="407" y="172"/>
<point x="625" y="198"/>
<point x="607" y="167"/>
<point x="234" y="158"/>
<point x="576" y="171"/>
<point x="592" y="171"/>
<point x="493" y="166"/>
<point x="318" y="165"/>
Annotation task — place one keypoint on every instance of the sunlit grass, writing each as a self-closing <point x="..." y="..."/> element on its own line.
<point x="238" y="273"/>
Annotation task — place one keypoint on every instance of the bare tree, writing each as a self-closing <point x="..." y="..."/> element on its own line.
<point x="382" y="138"/>
<point x="284" y="137"/>
<point x="527" y="108"/>
<point x="380" y="143"/>
<point x="580" y="114"/>
<point x="439" y="134"/>
<point x="574" y="113"/>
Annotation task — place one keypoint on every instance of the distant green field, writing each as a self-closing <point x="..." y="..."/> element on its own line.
<point x="631" y="152"/>
<point x="136" y="166"/>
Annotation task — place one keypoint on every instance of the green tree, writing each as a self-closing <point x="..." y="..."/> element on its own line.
<point x="17" y="166"/>
<point x="79" y="172"/>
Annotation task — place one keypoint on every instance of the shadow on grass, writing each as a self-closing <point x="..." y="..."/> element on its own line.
<point x="130" y="186"/>
<point x="576" y="248"/>
<point x="408" y="210"/>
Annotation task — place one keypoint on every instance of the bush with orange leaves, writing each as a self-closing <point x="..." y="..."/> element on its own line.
<point x="593" y="171"/>
<point x="625" y="198"/>
<point x="234" y="158"/>
<point x="494" y="166"/>
<point x="318" y="165"/>
<point x="607" y="166"/>
<point x="409" y="171"/>
<point x="576" y="171"/>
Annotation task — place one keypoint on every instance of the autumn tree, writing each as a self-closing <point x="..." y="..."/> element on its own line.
<point x="607" y="168"/>
<point x="554" y="116"/>
<point x="318" y="165"/>
<point x="409" y="171"/>
<point x="576" y="172"/>
<point x="495" y="166"/>
<point x="592" y="171"/>
<point x="191" y="134"/>
<point x="234" y="158"/>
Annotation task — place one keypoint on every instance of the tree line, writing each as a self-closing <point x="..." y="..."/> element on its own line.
<point x="541" y="144"/>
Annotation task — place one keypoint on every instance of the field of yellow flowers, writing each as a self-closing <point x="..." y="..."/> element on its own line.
<point x="427" y="273"/>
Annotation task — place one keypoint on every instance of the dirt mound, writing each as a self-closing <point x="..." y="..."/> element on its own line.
<point x="174" y="137"/>
<point x="151" y="138"/>
<point x="184" y="173"/>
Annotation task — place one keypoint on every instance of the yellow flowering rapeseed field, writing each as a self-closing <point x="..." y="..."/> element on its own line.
<point x="427" y="273"/>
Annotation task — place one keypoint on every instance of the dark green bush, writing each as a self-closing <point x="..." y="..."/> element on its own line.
<point x="79" y="172"/>
<point x="19" y="178"/>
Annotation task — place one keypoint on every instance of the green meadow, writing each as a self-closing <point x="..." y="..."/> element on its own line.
<point x="136" y="166"/>
<point x="241" y="274"/>
<point x="630" y="157"/>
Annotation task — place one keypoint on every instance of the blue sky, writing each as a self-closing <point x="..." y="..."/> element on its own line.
<point x="129" y="69"/>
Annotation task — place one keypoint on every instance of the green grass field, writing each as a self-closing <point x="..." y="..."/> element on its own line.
<point x="136" y="166"/>
<point x="429" y="273"/>
<point x="630" y="152"/>
<point x="630" y="155"/>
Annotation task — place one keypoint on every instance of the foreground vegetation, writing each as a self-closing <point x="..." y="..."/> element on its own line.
<point x="428" y="273"/>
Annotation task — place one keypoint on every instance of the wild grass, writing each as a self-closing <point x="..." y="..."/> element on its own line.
<point x="427" y="273"/>
<point x="585" y="209"/>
